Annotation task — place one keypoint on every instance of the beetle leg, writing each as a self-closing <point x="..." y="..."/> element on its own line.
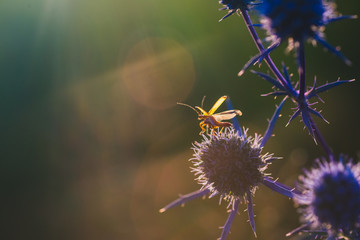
<point x="221" y="130"/>
<point x="202" y="127"/>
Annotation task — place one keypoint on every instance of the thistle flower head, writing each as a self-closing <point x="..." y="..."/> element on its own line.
<point x="331" y="197"/>
<point x="229" y="164"/>
<point x="297" y="19"/>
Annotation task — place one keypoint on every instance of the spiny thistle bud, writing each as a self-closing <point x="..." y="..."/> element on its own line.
<point x="229" y="164"/>
<point x="331" y="198"/>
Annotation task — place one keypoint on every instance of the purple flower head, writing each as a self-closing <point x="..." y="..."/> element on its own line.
<point x="330" y="199"/>
<point x="229" y="165"/>
<point x="299" y="20"/>
<point x="232" y="166"/>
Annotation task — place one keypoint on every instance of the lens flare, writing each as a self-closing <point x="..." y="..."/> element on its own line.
<point x="158" y="72"/>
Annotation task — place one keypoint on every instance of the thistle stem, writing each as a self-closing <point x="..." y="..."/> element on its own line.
<point x="301" y="64"/>
<point x="261" y="48"/>
<point x="303" y="102"/>
<point x="283" y="81"/>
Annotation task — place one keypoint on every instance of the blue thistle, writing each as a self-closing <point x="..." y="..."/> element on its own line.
<point x="299" y="20"/>
<point x="232" y="166"/>
<point x="330" y="199"/>
<point x="229" y="165"/>
<point x="234" y="5"/>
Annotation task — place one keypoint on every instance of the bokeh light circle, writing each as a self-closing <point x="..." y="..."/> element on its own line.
<point x="158" y="72"/>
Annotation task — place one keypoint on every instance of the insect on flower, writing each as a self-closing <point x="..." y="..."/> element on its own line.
<point x="211" y="120"/>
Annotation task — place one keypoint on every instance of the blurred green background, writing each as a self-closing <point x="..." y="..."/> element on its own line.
<point x="92" y="141"/>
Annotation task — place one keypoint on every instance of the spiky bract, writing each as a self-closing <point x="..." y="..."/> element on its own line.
<point x="233" y="5"/>
<point x="236" y="4"/>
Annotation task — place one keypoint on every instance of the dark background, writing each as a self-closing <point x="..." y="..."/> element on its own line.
<point x="92" y="141"/>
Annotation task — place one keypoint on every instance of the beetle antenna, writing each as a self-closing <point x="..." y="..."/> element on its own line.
<point x="202" y="102"/>
<point x="189" y="107"/>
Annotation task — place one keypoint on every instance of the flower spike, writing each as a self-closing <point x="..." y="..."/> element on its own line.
<point x="230" y="219"/>
<point x="275" y="94"/>
<point x="272" y="122"/>
<point x="316" y="90"/>
<point x="316" y="113"/>
<point x="250" y="211"/>
<point x="185" y="198"/>
<point x="295" y="114"/>
<point x="286" y="74"/>
<point x="273" y="185"/>
<point x="332" y="49"/>
<point x="288" y="89"/>
<point x="271" y="80"/>
<point x="298" y="229"/>
<point x="335" y="19"/>
<point x="258" y="57"/>
<point x="231" y="12"/>
<point x="308" y="122"/>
